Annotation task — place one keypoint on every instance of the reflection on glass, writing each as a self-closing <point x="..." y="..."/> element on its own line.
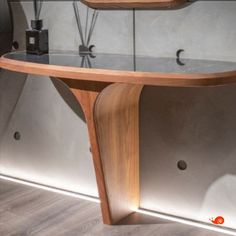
<point x="126" y="62"/>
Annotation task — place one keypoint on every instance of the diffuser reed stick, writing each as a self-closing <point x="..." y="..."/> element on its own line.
<point x="37" y="8"/>
<point x="85" y="35"/>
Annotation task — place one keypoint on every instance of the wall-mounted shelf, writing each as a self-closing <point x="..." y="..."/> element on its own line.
<point x="137" y="4"/>
<point x="114" y="68"/>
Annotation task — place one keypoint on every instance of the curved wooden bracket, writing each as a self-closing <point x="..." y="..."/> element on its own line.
<point x="86" y="93"/>
<point x="116" y="118"/>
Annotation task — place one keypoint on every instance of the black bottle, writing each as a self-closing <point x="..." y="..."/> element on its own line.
<point x="37" y="38"/>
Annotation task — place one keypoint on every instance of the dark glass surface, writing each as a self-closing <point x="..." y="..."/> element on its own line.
<point x="126" y="63"/>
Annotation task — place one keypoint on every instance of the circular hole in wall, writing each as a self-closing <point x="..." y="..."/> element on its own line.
<point x="17" y="135"/>
<point x="182" y="165"/>
<point x="15" y="45"/>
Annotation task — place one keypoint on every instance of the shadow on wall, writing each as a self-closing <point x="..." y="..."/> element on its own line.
<point x="12" y="85"/>
<point x="19" y="25"/>
<point x="68" y="97"/>
<point x="6" y="27"/>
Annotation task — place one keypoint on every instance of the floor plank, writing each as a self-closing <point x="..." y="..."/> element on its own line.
<point x="27" y="211"/>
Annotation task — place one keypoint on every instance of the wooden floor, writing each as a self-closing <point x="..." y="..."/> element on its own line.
<point x="29" y="211"/>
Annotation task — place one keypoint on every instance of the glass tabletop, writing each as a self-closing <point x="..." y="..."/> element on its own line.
<point x="127" y="62"/>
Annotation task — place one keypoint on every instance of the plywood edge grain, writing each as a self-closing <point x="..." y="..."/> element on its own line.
<point x="116" y="118"/>
<point x="115" y="76"/>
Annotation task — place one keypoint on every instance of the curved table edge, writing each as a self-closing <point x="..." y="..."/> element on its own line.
<point x="116" y="76"/>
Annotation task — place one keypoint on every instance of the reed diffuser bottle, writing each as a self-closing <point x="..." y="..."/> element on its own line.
<point x="37" y="37"/>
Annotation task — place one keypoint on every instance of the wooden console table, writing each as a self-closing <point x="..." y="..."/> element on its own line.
<point x="109" y="94"/>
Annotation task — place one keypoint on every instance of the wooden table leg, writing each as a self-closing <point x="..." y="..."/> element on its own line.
<point x="86" y="93"/>
<point x="116" y="116"/>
